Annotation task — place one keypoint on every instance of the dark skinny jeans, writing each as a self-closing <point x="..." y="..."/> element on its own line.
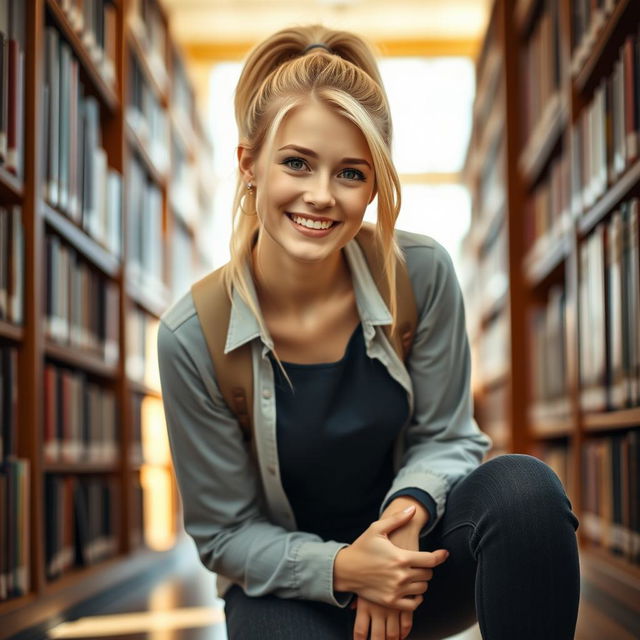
<point x="513" y="567"/>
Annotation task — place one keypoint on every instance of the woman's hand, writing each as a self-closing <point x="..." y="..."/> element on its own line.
<point x="385" y="623"/>
<point x="376" y="569"/>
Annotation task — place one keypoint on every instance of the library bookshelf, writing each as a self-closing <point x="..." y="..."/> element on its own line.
<point x="103" y="160"/>
<point x="554" y="293"/>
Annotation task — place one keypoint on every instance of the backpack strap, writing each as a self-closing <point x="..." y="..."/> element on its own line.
<point x="234" y="370"/>
<point x="407" y="313"/>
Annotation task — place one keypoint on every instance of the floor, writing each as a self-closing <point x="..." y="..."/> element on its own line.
<point x="183" y="606"/>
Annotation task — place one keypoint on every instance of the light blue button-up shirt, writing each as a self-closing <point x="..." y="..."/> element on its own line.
<point x="238" y="516"/>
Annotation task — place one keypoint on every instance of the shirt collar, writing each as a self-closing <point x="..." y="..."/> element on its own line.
<point x="244" y="325"/>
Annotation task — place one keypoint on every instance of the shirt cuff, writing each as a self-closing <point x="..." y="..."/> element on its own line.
<point x="425" y="499"/>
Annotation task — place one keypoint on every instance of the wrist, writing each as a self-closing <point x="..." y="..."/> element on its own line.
<point x="420" y="517"/>
<point x="341" y="581"/>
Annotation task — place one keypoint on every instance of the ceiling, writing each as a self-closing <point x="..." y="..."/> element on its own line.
<point x="238" y="22"/>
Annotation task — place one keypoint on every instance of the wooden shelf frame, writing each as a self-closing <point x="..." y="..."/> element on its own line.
<point x="10" y="331"/>
<point x="553" y="260"/>
<point x="46" y="599"/>
<point x="584" y="73"/>
<point x="90" y="249"/>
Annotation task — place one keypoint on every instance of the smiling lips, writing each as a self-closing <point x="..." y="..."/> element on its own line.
<point x="312" y="223"/>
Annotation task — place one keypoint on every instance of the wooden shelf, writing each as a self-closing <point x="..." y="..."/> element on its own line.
<point x="611" y="420"/>
<point x="543" y="429"/>
<point x="544" y="138"/>
<point x="583" y="73"/>
<point x="75" y="358"/>
<point x="140" y="148"/>
<point x="494" y="308"/>
<point x="524" y="12"/>
<point x="10" y="187"/>
<point x="138" y="50"/>
<point x="611" y="574"/>
<point x="11" y="331"/>
<point x="155" y="305"/>
<point x="81" y="467"/>
<point x="616" y="194"/>
<point x="91" y="250"/>
<point x="546" y="256"/>
<point x="105" y="93"/>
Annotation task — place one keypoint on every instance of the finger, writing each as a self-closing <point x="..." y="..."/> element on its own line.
<point x="390" y="523"/>
<point x="393" y="625"/>
<point x="420" y="575"/>
<point x="427" y="559"/>
<point x="361" y="624"/>
<point x="406" y="622"/>
<point x="415" y="588"/>
<point x="378" y="626"/>
<point x="410" y="603"/>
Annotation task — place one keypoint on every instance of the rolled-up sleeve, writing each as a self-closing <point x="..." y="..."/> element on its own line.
<point x="223" y="506"/>
<point x="442" y="442"/>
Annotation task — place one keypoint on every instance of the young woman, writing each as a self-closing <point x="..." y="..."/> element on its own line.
<point x="368" y="486"/>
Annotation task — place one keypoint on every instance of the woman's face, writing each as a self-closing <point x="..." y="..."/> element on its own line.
<point x="313" y="191"/>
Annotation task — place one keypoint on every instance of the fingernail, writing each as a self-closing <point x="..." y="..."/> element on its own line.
<point x="409" y="508"/>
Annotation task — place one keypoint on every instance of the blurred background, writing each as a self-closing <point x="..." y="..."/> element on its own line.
<point x="516" y="137"/>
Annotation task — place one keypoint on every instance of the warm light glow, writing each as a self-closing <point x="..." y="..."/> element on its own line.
<point x="158" y="508"/>
<point x="155" y="441"/>
<point x="152" y="372"/>
<point x="127" y="623"/>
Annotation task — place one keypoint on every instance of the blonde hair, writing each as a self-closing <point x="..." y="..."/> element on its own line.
<point x="280" y="75"/>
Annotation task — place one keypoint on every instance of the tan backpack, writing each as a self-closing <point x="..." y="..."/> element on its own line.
<point x="234" y="370"/>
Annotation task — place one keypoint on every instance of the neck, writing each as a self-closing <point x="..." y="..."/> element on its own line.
<point x="295" y="286"/>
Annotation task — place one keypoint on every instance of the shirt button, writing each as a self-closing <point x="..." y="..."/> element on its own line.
<point x="266" y="394"/>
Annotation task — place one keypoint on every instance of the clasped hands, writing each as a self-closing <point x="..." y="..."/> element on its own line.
<point x="387" y="572"/>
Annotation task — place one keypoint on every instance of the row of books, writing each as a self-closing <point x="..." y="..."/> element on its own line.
<point x="184" y="184"/>
<point x="95" y="22"/>
<point x="81" y="305"/>
<point x="148" y="119"/>
<point x="12" y="81"/>
<point x="492" y="361"/>
<point x="144" y="227"/>
<point x="609" y="308"/>
<point x="80" y="420"/>
<point x="549" y="376"/>
<point x="82" y="522"/>
<point x="142" y="360"/>
<point x="604" y="139"/>
<point x="15" y="529"/>
<point x="78" y="180"/>
<point x="561" y="458"/>
<point x="8" y="401"/>
<point x="611" y="502"/>
<point x="493" y="270"/>
<point x="146" y="22"/>
<point x="541" y="66"/>
<point x="11" y="264"/>
<point x="548" y="209"/>
<point x="588" y="19"/>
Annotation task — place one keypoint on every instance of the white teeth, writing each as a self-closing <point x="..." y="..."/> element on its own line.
<point x="312" y="224"/>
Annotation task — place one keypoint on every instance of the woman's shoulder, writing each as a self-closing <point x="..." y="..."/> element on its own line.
<point x="179" y="313"/>
<point x="424" y="254"/>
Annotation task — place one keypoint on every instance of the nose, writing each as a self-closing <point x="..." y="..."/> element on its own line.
<point x="319" y="193"/>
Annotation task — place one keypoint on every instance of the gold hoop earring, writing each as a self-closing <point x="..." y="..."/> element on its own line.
<point x="250" y="191"/>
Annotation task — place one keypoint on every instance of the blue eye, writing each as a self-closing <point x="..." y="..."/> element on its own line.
<point x="297" y="164"/>
<point x="353" y="174"/>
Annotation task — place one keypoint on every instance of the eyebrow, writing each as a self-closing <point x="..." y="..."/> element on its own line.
<point x="313" y="154"/>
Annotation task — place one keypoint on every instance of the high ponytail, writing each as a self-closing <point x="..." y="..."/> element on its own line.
<point x="284" y="72"/>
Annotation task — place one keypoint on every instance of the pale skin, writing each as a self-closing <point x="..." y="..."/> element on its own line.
<point x="322" y="171"/>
